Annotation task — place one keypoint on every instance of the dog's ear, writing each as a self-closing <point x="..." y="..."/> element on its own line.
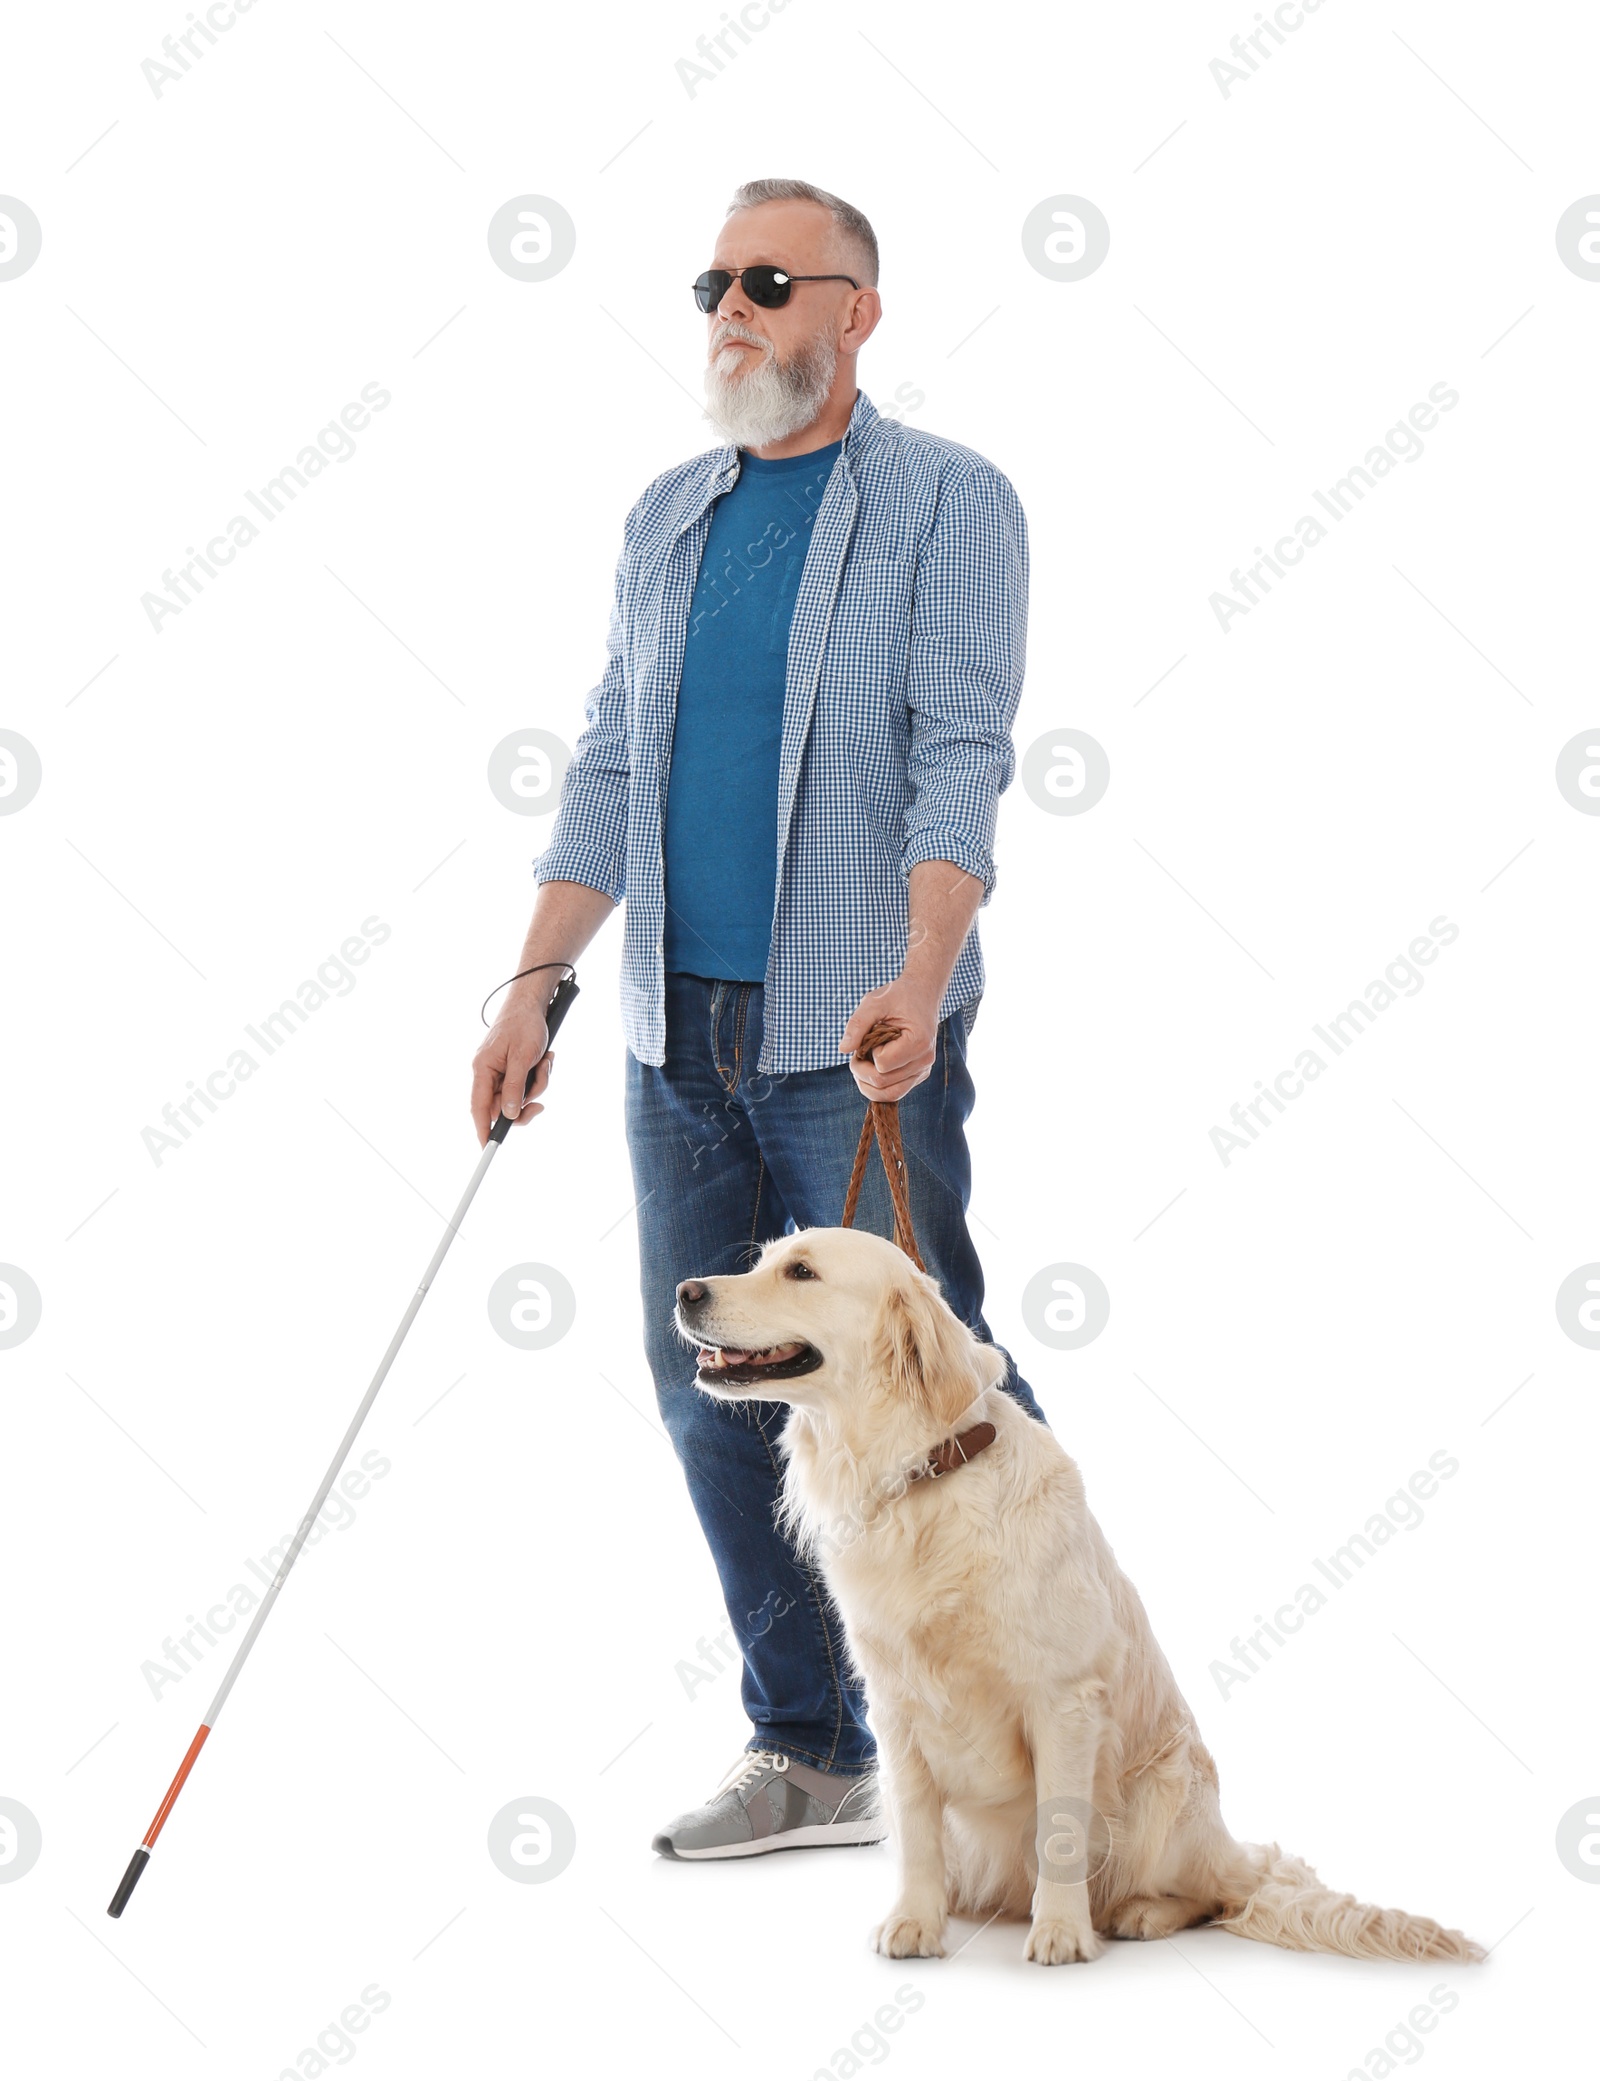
<point x="925" y="1356"/>
<point x="992" y="1368"/>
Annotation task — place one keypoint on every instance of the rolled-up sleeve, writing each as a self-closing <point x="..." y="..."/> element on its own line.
<point x="588" y="840"/>
<point x="967" y="655"/>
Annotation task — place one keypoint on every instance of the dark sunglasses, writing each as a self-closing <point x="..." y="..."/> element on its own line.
<point x="767" y="287"/>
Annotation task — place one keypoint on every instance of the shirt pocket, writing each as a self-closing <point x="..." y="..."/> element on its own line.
<point x="871" y="630"/>
<point x="862" y="717"/>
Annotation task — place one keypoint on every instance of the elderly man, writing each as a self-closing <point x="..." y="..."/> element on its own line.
<point x="789" y="772"/>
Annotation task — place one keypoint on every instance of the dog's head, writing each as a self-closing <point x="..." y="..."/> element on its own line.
<point x="839" y="1322"/>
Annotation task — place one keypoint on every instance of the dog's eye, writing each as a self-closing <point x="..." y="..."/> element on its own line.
<point x="798" y="1270"/>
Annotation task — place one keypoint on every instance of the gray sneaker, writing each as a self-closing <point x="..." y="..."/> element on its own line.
<point x="770" y="1801"/>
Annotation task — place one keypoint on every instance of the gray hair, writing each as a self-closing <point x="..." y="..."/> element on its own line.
<point x="851" y="229"/>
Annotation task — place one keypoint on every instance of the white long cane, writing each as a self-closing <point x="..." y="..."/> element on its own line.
<point x="560" y="1002"/>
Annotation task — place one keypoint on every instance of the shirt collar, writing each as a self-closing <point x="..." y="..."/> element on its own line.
<point x="863" y="418"/>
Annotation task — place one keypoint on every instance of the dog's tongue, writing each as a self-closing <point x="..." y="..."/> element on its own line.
<point x="713" y="1361"/>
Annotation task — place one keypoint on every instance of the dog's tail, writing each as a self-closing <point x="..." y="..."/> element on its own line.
<point x="1288" y="1905"/>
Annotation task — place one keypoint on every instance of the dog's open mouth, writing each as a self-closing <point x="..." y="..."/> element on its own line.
<point x="722" y="1363"/>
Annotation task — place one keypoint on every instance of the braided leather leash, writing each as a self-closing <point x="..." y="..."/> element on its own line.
<point x="883" y="1123"/>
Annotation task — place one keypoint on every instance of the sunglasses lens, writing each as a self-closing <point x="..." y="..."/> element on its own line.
<point x="767" y="286"/>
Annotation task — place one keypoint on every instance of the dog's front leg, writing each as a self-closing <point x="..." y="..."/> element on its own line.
<point x="1066" y="1744"/>
<point x="914" y="1926"/>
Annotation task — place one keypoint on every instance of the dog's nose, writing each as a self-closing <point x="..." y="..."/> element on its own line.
<point x="691" y="1292"/>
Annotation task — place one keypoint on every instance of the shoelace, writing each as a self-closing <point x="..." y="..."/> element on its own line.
<point x="747" y="1767"/>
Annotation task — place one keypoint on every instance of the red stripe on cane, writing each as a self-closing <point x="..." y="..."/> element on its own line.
<point x="175" y="1788"/>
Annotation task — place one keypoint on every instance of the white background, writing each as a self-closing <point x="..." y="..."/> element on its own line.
<point x="1291" y="1334"/>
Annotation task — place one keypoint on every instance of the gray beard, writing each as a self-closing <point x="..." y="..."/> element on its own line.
<point x="773" y="399"/>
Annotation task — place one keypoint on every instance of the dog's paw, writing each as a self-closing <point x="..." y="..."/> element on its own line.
<point x="909" y="1936"/>
<point x="1155" y="1917"/>
<point x="1060" y="1943"/>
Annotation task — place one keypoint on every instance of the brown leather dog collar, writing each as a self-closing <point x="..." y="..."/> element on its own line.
<point x="951" y="1453"/>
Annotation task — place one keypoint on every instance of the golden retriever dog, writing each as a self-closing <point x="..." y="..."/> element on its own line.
<point x="1037" y="1757"/>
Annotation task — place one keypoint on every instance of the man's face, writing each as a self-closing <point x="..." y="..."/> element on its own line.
<point x="769" y="373"/>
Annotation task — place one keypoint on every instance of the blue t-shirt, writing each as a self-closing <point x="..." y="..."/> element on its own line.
<point x="720" y="840"/>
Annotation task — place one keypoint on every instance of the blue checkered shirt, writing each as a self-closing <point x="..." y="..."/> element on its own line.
<point x="904" y="672"/>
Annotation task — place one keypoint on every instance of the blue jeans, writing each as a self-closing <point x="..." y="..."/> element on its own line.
<point x="723" y="1160"/>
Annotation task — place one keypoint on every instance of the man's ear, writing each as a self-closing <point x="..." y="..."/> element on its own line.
<point x="925" y="1357"/>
